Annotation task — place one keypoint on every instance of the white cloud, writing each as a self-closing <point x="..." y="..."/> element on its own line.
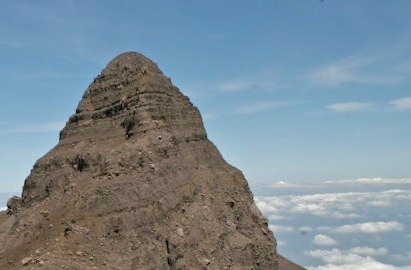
<point x="259" y="107"/>
<point x="381" y="203"/>
<point x="332" y="75"/>
<point x="324" y="240"/>
<point x="3" y="209"/>
<point x="336" y="259"/>
<point x="396" y="191"/>
<point x="281" y="243"/>
<point x="358" y="69"/>
<point x="340" y="215"/>
<point x="363" y="265"/>
<point x="367" y="227"/>
<point x="349" y="205"/>
<point x="282" y="184"/>
<point x="318" y="204"/>
<point x="335" y="256"/>
<point x="373" y="207"/>
<point x="236" y="85"/>
<point x="264" y="206"/>
<point x="262" y="80"/>
<point x="337" y="205"/>
<point x="401" y="104"/>
<point x="368" y="251"/>
<point x="373" y="181"/>
<point x="317" y="209"/>
<point x="280" y="228"/>
<point x="351" y="107"/>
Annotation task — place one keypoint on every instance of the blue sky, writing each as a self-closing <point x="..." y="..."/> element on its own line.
<point x="293" y="92"/>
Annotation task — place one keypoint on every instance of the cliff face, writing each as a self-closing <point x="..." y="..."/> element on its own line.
<point x="134" y="183"/>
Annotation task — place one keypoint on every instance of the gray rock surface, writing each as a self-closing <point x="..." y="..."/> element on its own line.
<point x="134" y="183"/>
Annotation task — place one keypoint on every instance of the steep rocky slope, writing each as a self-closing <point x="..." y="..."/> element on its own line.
<point x="134" y="183"/>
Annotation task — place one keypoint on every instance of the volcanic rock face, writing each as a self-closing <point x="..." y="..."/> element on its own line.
<point x="134" y="183"/>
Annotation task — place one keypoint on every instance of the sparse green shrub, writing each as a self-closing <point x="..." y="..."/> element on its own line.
<point x="79" y="163"/>
<point x="128" y="124"/>
<point x="45" y="213"/>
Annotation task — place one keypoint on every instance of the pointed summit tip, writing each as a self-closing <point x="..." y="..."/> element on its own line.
<point x="129" y="61"/>
<point x="132" y="86"/>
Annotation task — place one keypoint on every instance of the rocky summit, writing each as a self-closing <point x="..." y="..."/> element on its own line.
<point x="134" y="183"/>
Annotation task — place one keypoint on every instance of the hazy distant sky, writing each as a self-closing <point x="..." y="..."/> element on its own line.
<point x="289" y="90"/>
<point x="294" y="91"/>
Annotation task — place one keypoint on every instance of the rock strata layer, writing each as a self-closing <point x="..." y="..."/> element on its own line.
<point x="134" y="183"/>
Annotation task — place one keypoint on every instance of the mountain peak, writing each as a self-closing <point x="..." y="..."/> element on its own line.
<point x="132" y="93"/>
<point x="134" y="183"/>
<point x="132" y="61"/>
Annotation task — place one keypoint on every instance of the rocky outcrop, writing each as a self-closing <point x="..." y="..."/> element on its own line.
<point x="134" y="183"/>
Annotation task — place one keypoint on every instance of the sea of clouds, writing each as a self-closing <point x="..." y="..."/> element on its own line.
<point x="361" y="224"/>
